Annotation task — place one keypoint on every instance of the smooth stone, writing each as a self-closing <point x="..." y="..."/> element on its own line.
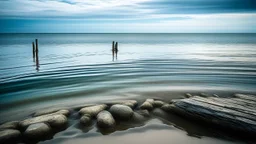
<point x="146" y="105"/>
<point x="80" y="106"/>
<point x="52" y="111"/>
<point x="38" y="130"/>
<point x="93" y="110"/>
<point x="130" y="103"/>
<point x="205" y="95"/>
<point x="215" y="95"/>
<point x="10" y="125"/>
<point x="121" y="112"/>
<point x="86" y="120"/>
<point x="158" y="103"/>
<point x="145" y="113"/>
<point x="9" y="136"/>
<point x="188" y="95"/>
<point x="58" y="120"/>
<point x="64" y="112"/>
<point x="167" y="107"/>
<point x="105" y="119"/>
<point x="151" y="101"/>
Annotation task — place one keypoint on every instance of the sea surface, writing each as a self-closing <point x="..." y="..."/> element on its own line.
<point x="75" y="68"/>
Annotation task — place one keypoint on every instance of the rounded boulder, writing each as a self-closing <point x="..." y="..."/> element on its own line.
<point x="146" y="105"/>
<point x="58" y="121"/>
<point x="38" y="130"/>
<point x="105" y="120"/>
<point x="158" y="103"/>
<point x="10" y="125"/>
<point x="167" y="107"/>
<point x="121" y="112"/>
<point x="86" y="120"/>
<point x="9" y="136"/>
<point x="93" y="110"/>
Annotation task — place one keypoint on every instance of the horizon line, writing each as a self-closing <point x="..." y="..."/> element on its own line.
<point x="128" y="33"/>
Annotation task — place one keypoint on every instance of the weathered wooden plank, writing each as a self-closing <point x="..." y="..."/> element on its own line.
<point x="223" y="103"/>
<point x="246" y="97"/>
<point x="236" y="101"/>
<point x="246" y="102"/>
<point x="218" y="109"/>
<point x="210" y="111"/>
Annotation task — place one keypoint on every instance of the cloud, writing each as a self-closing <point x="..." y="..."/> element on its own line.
<point x="201" y="6"/>
<point x="127" y="15"/>
<point x="70" y="8"/>
<point x="117" y="8"/>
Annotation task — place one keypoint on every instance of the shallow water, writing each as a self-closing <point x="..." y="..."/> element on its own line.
<point x="153" y="132"/>
<point x="80" y="68"/>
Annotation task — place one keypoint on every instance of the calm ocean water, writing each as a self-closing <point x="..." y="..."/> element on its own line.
<point x="75" y="68"/>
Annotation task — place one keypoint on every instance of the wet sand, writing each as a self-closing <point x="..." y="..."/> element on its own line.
<point x="161" y="127"/>
<point x="153" y="132"/>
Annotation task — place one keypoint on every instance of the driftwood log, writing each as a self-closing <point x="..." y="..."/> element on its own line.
<point x="237" y="113"/>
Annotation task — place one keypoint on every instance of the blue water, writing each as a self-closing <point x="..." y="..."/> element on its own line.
<point x="77" y="68"/>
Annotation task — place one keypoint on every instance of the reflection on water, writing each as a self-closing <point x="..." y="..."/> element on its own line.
<point x="154" y="131"/>
<point x="114" y="50"/>
<point x="77" y="67"/>
<point x="37" y="62"/>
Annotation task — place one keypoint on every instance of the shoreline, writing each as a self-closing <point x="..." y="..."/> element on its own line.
<point x="22" y="110"/>
<point x="156" y="112"/>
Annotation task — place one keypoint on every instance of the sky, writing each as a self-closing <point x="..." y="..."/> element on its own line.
<point x="128" y="16"/>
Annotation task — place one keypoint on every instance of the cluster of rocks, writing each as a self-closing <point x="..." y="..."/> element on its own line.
<point x="45" y="123"/>
<point x="221" y="111"/>
<point x="108" y="114"/>
<point x="150" y="104"/>
<point x="41" y="125"/>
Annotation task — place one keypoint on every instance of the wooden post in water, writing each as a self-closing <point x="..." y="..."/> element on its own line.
<point x="34" y="49"/>
<point x="37" y="62"/>
<point x="116" y="47"/>
<point x="37" y="58"/>
<point x="113" y="46"/>
<point x="36" y="45"/>
<point x="113" y="50"/>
